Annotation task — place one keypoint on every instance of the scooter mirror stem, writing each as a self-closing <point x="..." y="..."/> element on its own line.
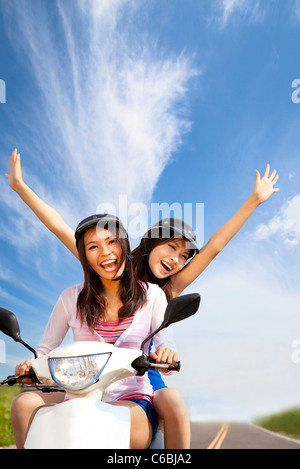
<point x="152" y="335"/>
<point x="179" y="308"/>
<point x="28" y="347"/>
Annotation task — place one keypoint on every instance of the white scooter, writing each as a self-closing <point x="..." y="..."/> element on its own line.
<point x="84" y="370"/>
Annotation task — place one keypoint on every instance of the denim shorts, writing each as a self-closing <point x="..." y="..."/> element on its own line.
<point x="150" y="412"/>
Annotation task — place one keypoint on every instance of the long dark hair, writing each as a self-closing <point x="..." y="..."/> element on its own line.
<point x="91" y="303"/>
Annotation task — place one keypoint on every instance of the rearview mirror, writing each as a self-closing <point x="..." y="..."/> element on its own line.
<point x="181" y="308"/>
<point x="178" y="309"/>
<point x="9" y="326"/>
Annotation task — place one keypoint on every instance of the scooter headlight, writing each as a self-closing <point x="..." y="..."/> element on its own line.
<point x="75" y="373"/>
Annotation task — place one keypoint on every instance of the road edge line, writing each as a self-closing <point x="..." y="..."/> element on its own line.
<point x="284" y="437"/>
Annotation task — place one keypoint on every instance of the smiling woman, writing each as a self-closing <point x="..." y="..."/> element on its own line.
<point x="111" y="292"/>
<point x="104" y="253"/>
<point x="108" y="262"/>
<point x="168" y="258"/>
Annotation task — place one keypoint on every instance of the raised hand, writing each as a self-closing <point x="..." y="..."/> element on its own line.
<point x="264" y="187"/>
<point x="15" y="172"/>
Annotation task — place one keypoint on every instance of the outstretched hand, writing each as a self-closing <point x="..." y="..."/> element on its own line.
<point x="264" y="187"/>
<point x="15" y="172"/>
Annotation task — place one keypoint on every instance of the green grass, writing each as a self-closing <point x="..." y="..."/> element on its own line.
<point x="287" y="422"/>
<point x="6" y="397"/>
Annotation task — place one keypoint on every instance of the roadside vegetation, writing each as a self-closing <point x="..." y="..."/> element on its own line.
<point x="286" y="422"/>
<point x="6" y="397"/>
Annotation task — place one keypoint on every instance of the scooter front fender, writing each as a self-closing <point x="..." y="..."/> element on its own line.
<point x="81" y="423"/>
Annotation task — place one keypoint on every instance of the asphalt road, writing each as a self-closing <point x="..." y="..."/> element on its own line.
<point x="237" y="436"/>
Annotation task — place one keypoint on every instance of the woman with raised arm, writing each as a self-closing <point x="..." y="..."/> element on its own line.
<point x="110" y="297"/>
<point x="161" y="258"/>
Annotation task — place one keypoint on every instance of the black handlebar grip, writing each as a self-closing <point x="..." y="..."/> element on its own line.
<point x="11" y="380"/>
<point x="175" y="367"/>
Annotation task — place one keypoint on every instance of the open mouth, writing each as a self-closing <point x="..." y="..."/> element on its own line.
<point x="166" y="267"/>
<point x="109" y="266"/>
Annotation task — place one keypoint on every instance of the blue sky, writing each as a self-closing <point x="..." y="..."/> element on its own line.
<point x="173" y="101"/>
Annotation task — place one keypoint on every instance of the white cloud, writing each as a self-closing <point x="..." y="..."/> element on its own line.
<point x="113" y="104"/>
<point x="5" y="274"/>
<point x="230" y="7"/>
<point x="253" y="11"/>
<point x="4" y="294"/>
<point x="22" y="230"/>
<point x="238" y="362"/>
<point x="103" y="8"/>
<point x="286" y="224"/>
<point x="232" y="10"/>
<point x="297" y="10"/>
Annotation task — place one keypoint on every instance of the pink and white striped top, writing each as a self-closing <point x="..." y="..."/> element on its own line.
<point x="110" y="331"/>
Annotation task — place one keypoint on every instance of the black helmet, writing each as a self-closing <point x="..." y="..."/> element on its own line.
<point x="168" y="227"/>
<point x="104" y="220"/>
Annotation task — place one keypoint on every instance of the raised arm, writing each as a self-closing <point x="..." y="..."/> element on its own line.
<point x="263" y="189"/>
<point x="48" y="216"/>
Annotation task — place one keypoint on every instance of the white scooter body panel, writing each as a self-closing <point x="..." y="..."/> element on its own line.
<point x="118" y="366"/>
<point x="80" y="424"/>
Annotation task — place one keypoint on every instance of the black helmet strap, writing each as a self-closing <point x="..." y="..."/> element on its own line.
<point x="129" y="257"/>
<point x="144" y="252"/>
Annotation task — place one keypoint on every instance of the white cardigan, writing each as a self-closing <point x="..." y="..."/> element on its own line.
<point x="146" y="320"/>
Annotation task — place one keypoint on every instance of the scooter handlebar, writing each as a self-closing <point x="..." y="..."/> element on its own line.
<point x="12" y="380"/>
<point x="165" y="366"/>
<point x="144" y="363"/>
<point x="175" y="367"/>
